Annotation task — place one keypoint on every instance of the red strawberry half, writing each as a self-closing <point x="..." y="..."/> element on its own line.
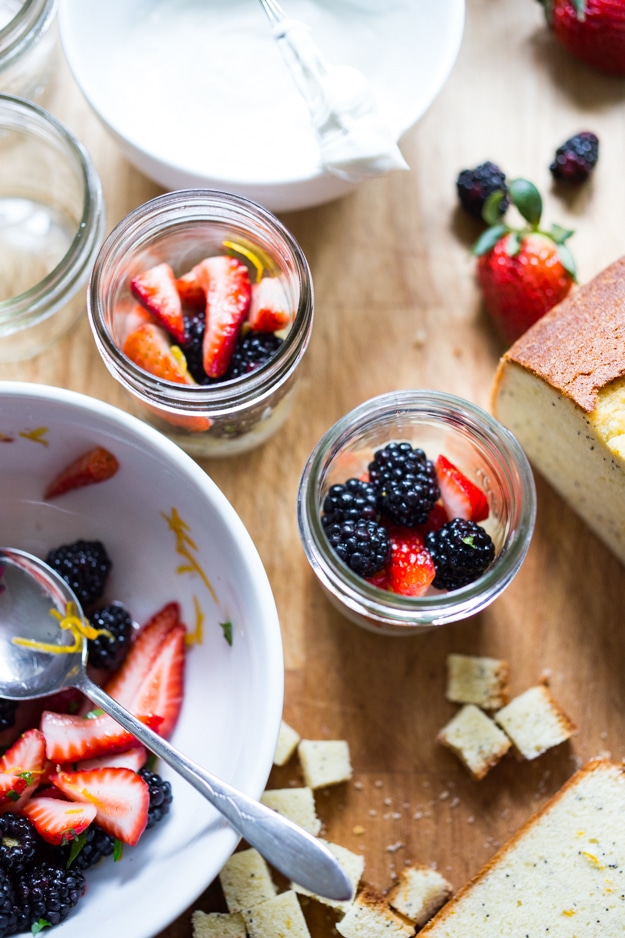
<point x="190" y="291"/>
<point x="461" y="497"/>
<point x="70" y="738"/>
<point x="226" y="283"/>
<point x="119" y="797"/>
<point x="25" y="762"/>
<point x="269" y="307"/>
<point x="411" y="568"/>
<point x="150" y="349"/>
<point x="134" y="759"/>
<point x="58" y="821"/>
<point x="96" y="465"/>
<point x="162" y="689"/>
<point x="156" y="290"/>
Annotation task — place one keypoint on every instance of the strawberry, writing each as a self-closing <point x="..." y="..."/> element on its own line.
<point x="269" y="309"/>
<point x="127" y="320"/>
<point x="96" y="465"/>
<point x="190" y="291"/>
<point x="126" y="683"/>
<point x="156" y="290"/>
<point x="25" y="762"/>
<point x="591" y="30"/>
<point x="410" y="569"/>
<point x="150" y="349"/>
<point x="162" y="688"/>
<point x="523" y="272"/>
<point x="461" y="497"/>
<point x="226" y="283"/>
<point x="56" y="820"/>
<point x="119" y="798"/>
<point x="134" y="758"/>
<point x="70" y="738"/>
<point x="11" y="787"/>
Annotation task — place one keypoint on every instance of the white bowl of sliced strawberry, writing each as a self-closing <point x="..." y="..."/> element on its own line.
<point x="415" y="509"/>
<point x="185" y="635"/>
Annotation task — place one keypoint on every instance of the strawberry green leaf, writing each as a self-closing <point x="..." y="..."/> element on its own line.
<point x="513" y="244"/>
<point x="580" y="9"/>
<point x="488" y="239"/>
<point x="491" y="213"/>
<point x="560" y="234"/>
<point x="567" y="260"/>
<point x="526" y="197"/>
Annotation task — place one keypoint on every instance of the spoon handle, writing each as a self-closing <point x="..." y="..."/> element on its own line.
<point x="296" y="853"/>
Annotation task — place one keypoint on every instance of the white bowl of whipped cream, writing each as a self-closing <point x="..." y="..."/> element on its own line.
<point x="198" y="94"/>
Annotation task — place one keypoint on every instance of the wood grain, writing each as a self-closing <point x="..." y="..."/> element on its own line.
<point x="397" y="307"/>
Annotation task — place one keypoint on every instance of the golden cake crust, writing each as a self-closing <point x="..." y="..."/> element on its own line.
<point x="579" y="346"/>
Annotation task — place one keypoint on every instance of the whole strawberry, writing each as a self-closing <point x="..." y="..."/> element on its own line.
<point x="591" y="30"/>
<point x="522" y="272"/>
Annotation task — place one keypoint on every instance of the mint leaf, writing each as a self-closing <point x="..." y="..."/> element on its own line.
<point x="488" y="239"/>
<point x="526" y="197"/>
<point x="227" y="630"/>
<point x="38" y="926"/>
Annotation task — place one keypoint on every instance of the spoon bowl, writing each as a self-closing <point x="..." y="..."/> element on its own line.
<point x="33" y="600"/>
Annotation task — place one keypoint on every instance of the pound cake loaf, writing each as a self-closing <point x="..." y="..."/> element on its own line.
<point x="561" y="390"/>
<point x="562" y="874"/>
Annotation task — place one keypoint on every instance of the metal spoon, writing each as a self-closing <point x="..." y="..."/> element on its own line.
<point x="29" y="589"/>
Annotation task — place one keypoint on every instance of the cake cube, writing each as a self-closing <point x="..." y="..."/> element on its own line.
<point x="534" y="722"/>
<point x="324" y="761"/>
<point x="482" y="681"/>
<point x="352" y="864"/>
<point x="218" y="925"/>
<point x="280" y="917"/>
<point x="296" y="804"/>
<point x="246" y="880"/>
<point x="419" y="892"/>
<point x="370" y="916"/>
<point x="476" y="739"/>
<point x="288" y="738"/>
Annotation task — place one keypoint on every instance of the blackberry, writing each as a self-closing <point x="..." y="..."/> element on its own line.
<point x="406" y="483"/>
<point x="109" y="651"/>
<point x="251" y="351"/>
<point x="85" y="566"/>
<point x="8" y="911"/>
<point x="363" y="545"/>
<point x="47" y="892"/>
<point x="160" y="796"/>
<point x="193" y="347"/>
<point x="351" y="501"/>
<point x="8" y="709"/>
<point x="96" y="845"/>
<point x="18" y="843"/>
<point x="461" y="551"/>
<point x="576" y="158"/>
<point x="475" y="185"/>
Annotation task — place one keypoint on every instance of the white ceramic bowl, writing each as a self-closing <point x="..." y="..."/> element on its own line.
<point x="234" y="693"/>
<point x="197" y="94"/>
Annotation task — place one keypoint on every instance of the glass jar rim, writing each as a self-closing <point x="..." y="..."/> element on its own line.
<point x="52" y="291"/>
<point x="25" y="29"/>
<point x="392" y="609"/>
<point x="225" y="398"/>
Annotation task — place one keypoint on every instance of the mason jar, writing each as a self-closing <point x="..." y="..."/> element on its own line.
<point x="29" y="47"/>
<point x="220" y="417"/>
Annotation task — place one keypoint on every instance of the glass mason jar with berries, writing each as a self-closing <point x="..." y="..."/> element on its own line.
<point x="415" y="509"/>
<point x="201" y="305"/>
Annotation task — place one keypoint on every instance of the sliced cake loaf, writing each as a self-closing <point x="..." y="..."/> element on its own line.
<point x="561" y="390"/>
<point x="562" y="874"/>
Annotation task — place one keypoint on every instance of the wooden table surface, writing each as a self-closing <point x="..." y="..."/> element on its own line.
<point x="397" y="307"/>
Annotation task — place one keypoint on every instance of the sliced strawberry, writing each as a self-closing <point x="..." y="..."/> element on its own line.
<point x="411" y="568"/>
<point x="134" y="759"/>
<point x="380" y="579"/>
<point x="150" y="349"/>
<point x="156" y="290"/>
<point x="119" y="797"/>
<point x="25" y="760"/>
<point x="190" y="291"/>
<point x="127" y="320"/>
<point x="58" y="821"/>
<point x="226" y="283"/>
<point x="269" y="307"/>
<point x="436" y="519"/>
<point x="11" y="787"/>
<point x="96" y="465"/>
<point x="71" y="738"/>
<point x="162" y="689"/>
<point x="461" y="497"/>
<point x="125" y="683"/>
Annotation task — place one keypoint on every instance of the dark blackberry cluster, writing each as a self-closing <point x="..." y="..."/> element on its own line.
<point x="193" y="347"/>
<point x="364" y="546"/>
<point x="85" y="566"/>
<point x="253" y="349"/>
<point x="576" y="158"/>
<point x="160" y="796"/>
<point x="474" y="186"/>
<point x="461" y="551"/>
<point x="109" y="651"/>
<point x="406" y="483"/>
<point x="8" y="709"/>
<point x="353" y="500"/>
<point x="18" y="843"/>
